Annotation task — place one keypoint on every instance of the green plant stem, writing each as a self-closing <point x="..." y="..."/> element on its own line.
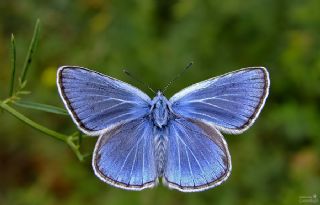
<point x="75" y="149"/>
<point x="52" y="133"/>
<point x="71" y="140"/>
<point x="33" y="124"/>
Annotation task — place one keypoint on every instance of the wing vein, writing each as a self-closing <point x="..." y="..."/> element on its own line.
<point x="139" y="139"/>
<point x="226" y="110"/>
<point x="185" y="147"/>
<point x="134" y="161"/>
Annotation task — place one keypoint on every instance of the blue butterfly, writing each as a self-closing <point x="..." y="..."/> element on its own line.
<point x="177" y="140"/>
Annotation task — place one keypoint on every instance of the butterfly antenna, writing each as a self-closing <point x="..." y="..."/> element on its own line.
<point x="177" y="76"/>
<point x="140" y="81"/>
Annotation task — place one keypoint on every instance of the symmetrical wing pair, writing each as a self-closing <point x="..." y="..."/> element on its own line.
<point x="178" y="140"/>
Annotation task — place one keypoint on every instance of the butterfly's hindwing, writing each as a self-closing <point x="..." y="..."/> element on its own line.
<point x="197" y="156"/>
<point x="124" y="156"/>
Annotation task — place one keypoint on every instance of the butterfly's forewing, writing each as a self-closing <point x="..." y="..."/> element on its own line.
<point x="124" y="156"/>
<point x="198" y="156"/>
<point x="230" y="102"/>
<point x="98" y="102"/>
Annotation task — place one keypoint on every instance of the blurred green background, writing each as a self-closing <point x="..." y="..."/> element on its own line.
<point x="274" y="162"/>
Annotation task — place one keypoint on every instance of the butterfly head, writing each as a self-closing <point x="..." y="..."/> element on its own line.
<point x="160" y="110"/>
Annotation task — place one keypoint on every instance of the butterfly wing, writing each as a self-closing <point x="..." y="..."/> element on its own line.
<point x="124" y="156"/>
<point x="230" y="102"/>
<point x="97" y="102"/>
<point x="198" y="156"/>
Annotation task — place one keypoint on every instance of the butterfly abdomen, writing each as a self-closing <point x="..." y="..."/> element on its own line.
<point x="160" y="144"/>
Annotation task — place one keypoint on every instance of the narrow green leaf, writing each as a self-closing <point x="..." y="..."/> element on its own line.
<point x="32" y="48"/>
<point x="23" y="92"/>
<point x="41" y="107"/>
<point x="13" y="65"/>
<point x="22" y="85"/>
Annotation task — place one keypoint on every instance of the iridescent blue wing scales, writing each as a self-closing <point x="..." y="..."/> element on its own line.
<point x="97" y="102"/>
<point x="198" y="156"/>
<point x="124" y="156"/>
<point x="230" y="102"/>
